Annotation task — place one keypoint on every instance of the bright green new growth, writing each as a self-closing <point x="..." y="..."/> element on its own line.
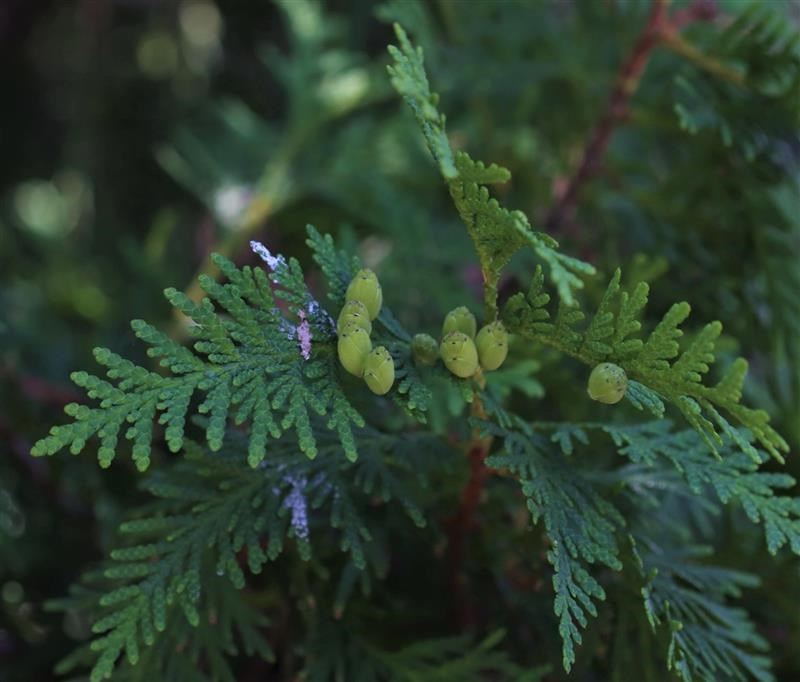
<point x="607" y="383"/>
<point x="425" y="349"/>
<point x="459" y="354"/>
<point x="460" y="320"/>
<point x="658" y="369"/>
<point x="353" y="347"/>
<point x="496" y="232"/>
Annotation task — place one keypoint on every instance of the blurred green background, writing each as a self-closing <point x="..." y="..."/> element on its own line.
<point x="138" y="135"/>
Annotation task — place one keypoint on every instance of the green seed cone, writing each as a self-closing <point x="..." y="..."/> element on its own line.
<point x="492" y="343"/>
<point x="425" y="349"/>
<point x="459" y="354"/>
<point x="365" y="287"/>
<point x="460" y="320"/>
<point x="379" y="371"/>
<point x="355" y="312"/>
<point x="354" y="346"/>
<point x="607" y="383"/>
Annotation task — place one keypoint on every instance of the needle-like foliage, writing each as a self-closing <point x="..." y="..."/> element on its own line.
<point x="660" y="370"/>
<point x="248" y="363"/>
<point x="708" y="638"/>
<point x="584" y="524"/>
<point x="320" y="532"/>
<point x="581" y="525"/>
<point x="217" y="517"/>
<point x="496" y="232"/>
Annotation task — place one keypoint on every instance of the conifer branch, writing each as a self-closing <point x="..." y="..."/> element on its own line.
<point x="497" y="232"/>
<point x="662" y="372"/>
<point x="659" y="29"/>
<point x="269" y="491"/>
<point x="249" y="363"/>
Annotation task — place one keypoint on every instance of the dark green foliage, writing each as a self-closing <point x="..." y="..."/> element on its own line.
<point x="581" y="525"/>
<point x="230" y="626"/>
<point x="734" y="479"/>
<point x="342" y="655"/>
<point x="705" y="102"/>
<point x="709" y="640"/>
<point x="292" y="524"/>
<point x="217" y="517"/>
<point x="584" y="527"/>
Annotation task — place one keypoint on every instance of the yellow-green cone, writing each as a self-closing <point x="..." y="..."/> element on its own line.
<point x="379" y="371"/>
<point x="492" y="343"/>
<point x="425" y="349"/>
<point x="355" y="312"/>
<point x="365" y="287"/>
<point x="354" y="346"/>
<point x="607" y="383"/>
<point x="459" y="354"/>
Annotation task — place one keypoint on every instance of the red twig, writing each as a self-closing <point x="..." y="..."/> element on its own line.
<point x="699" y="10"/>
<point x="660" y="27"/>
<point x="458" y="528"/>
<point x="464" y="520"/>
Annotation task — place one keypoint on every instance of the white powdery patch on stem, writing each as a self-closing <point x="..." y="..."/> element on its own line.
<point x="296" y="503"/>
<point x="304" y="335"/>
<point x="273" y="262"/>
<point x="315" y="310"/>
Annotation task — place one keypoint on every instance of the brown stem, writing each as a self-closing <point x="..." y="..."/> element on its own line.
<point x="660" y="29"/>
<point x="463" y="521"/>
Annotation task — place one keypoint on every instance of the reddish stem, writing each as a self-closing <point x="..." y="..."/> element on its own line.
<point x="659" y="28"/>
<point x="458" y="528"/>
<point x="464" y="520"/>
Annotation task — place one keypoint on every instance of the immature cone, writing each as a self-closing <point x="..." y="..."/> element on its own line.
<point x="365" y="287"/>
<point x="379" y="371"/>
<point x="460" y="320"/>
<point x="492" y="343"/>
<point x="607" y="383"/>
<point x="459" y="354"/>
<point x="355" y="312"/>
<point x="354" y="346"/>
<point x="425" y="349"/>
